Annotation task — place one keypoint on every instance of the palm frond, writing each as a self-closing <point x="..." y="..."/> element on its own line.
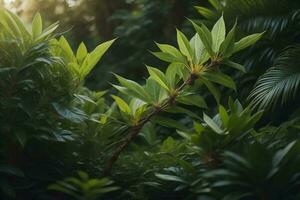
<point x="280" y="83"/>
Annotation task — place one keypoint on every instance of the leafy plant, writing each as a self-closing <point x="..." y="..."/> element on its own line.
<point x="224" y="130"/>
<point x="257" y="173"/>
<point x="195" y="59"/>
<point x="39" y="88"/>
<point x="51" y="124"/>
<point x="84" y="187"/>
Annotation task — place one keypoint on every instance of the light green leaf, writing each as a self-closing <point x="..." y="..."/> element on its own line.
<point x="81" y="53"/>
<point x="205" y="12"/>
<point x="184" y="45"/>
<point x="218" y="34"/>
<point x="169" y="49"/>
<point x="37" y="26"/>
<point x="123" y="106"/>
<point x="167" y="177"/>
<point x="47" y="31"/>
<point x="205" y="37"/>
<point x="223" y="114"/>
<point x="168" y="57"/>
<point x="183" y="134"/>
<point x="94" y="58"/>
<point x="198" y="127"/>
<point x="200" y="53"/>
<point x="136" y="89"/>
<point x="212" y="124"/>
<point x="159" y="77"/>
<point x="69" y="55"/>
<point x="247" y="41"/>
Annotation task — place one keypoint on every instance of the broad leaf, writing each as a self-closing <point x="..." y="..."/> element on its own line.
<point x="184" y="45"/>
<point x="218" y="34"/>
<point x="227" y="46"/>
<point x="212" y="124"/>
<point x="247" y="41"/>
<point x="205" y="37"/>
<point x="136" y="89"/>
<point x="37" y="26"/>
<point x="123" y="106"/>
<point x="220" y="78"/>
<point x="234" y="65"/>
<point x="159" y="77"/>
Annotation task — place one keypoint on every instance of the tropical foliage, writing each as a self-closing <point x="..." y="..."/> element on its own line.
<point x="204" y="125"/>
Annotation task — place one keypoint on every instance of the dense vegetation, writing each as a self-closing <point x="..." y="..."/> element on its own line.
<point x="219" y="119"/>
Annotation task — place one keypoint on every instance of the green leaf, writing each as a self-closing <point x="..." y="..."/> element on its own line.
<point x="73" y="115"/>
<point x="94" y="58"/>
<point x="254" y="119"/>
<point x="185" y="135"/>
<point x="81" y="53"/>
<point x="215" y="92"/>
<point x="227" y="46"/>
<point x="218" y="34"/>
<point x="201" y="55"/>
<point x="155" y="91"/>
<point x="283" y="153"/>
<point x="234" y="65"/>
<point x="184" y="45"/>
<point x="69" y="55"/>
<point x="167" y="177"/>
<point x="247" y="41"/>
<point x="37" y="26"/>
<point x="175" y="73"/>
<point x="216" y="4"/>
<point x="221" y="78"/>
<point x="167" y="122"/>
<point x="224" y="115"/>
<point x="169" y="49"/>
<point x="136" y="89"/>
<point x="47" y="31"/>
<point x="198" y="127"/>
<point x="211" y="123"/>
<point x="205" y="37"/>
<point x="11" y="24"/>
<point x="168" y="57"/>
<point x="177" y="109"/>
<point x="123" y="106"/>
<point x="159" y="77"/>
<point x="193" y="100"/>
<point x="205" y="12"/>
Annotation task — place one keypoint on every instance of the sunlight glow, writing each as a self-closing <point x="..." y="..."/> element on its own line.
<point x="8" y="1"/>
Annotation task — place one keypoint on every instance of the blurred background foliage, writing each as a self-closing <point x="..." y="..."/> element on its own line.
<point x="137" y="23"/>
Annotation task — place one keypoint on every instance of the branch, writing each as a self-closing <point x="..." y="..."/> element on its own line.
<point x="135" y="130"/>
